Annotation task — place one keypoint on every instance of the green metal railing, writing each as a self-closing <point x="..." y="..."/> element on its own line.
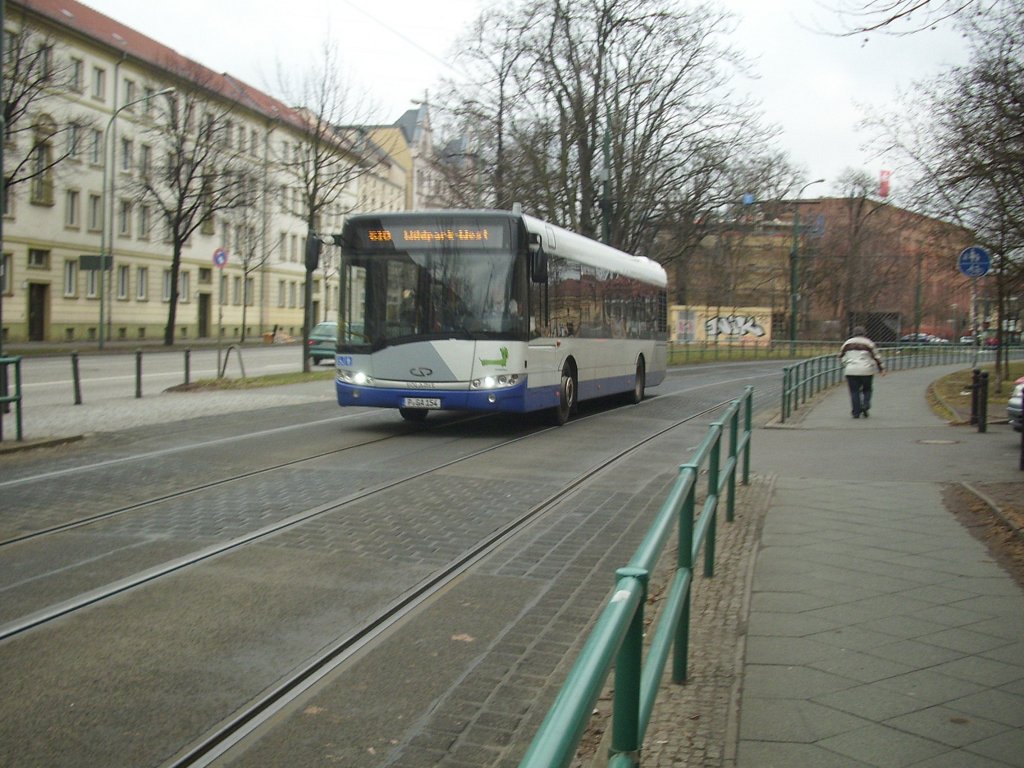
<point x="802" y="381"/>
<point x="5" y="398"/>
<point x="617" y="637"/>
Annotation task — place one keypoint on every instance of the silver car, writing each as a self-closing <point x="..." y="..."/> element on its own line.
<point x="1013" y="407"/>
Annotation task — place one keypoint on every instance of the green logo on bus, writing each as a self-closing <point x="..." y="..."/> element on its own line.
<point x="502" y="362"/>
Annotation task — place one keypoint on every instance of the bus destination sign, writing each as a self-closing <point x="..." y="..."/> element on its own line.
<point x="402" y="238"/>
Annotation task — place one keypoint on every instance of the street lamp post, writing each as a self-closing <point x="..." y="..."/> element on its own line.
<point x="794" y="269"/>
<point x="107" y="213"/>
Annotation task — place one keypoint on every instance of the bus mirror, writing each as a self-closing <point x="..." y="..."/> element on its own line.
<point x="538" y="260"/>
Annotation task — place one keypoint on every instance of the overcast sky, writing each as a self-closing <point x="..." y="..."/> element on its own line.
<point x="812" y="85"/>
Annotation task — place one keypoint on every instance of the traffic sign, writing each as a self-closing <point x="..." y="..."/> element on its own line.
<point x="974" y="261"/>
<point x="220" y="257"/>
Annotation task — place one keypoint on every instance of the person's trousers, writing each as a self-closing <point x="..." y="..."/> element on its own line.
<point x="860" y="394"/>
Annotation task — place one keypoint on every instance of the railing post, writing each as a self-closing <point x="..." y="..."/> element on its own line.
<point x="734" y="427"/>
<point x="748" y="422"/>
<point x="681" y="652"/>
<point x="138" y="373"/>
<point x="714" y="462"/>
<point x="188" y="366"/>
<point x="785" y="393"/>
<point x="76" y="379"/>
<point x="975" y="387"/>
<point x="983" y="403"/>
<point x="628" y="670"/>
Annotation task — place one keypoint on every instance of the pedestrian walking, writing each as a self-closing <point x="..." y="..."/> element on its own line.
<point x="860" y="360"/>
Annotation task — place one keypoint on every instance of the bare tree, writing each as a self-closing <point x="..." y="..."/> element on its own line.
<point x="39" y="133"/>
<point x="898" y="17"/>
<point x="326" y="159"/>
<point x="961" y="135"/>
<point x="612" y="117"/>
<point x="199" y="174"/>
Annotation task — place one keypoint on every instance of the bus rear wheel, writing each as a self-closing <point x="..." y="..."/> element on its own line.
<point x="639" y="383"/>
<point x="413" y="414"/>
<point x="566" y="396"/>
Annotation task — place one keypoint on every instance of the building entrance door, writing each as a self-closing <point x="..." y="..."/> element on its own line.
<point x="204" y="315"/>
<point x="38" y="294"/>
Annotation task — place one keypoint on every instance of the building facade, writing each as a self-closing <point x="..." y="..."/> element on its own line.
<point x="822" y="265"/>
<point x="97" y="100"/>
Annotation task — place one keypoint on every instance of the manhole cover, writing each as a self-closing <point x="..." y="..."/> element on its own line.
<point x="938" y="442"/>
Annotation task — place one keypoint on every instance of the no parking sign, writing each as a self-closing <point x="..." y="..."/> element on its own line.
<point x="220" y="257"/>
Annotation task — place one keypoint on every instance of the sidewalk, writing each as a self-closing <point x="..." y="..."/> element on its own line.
<point x="880" y="631"/>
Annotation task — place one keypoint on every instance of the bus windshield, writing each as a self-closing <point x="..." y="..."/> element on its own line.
<point x="438" y="294"/>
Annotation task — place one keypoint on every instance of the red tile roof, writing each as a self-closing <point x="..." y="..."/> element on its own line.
<point x="112" y="34"/>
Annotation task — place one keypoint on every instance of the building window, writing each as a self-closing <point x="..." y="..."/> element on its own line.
<point x="236" y="285"/>
<point x="70" y="278"/>
<point x="99" y="83"/>
<point x="38" y="259"/>
<point x="184" y="287"/>
<point x="123" y="275"/>
<point x="74" y="141"/>
<point x="6" y="276"/>
<point x="127" y="152"/>
<point x="129" y="95"/>
<point x="95" y="213"/>
<point x="124" y="219"/>
<point x="222" y="298"/>
<point x="249" y="291"/>
<point x="205" y="276"/>
<point x="142" y="284"/>
<point x="291" y="295"/>
<point x="96" y="147"/>
<point x="145" y="222"/>
<point x="77" y="75"/>
<point x="145" y="159"/>
<point x="91" y="283"/>
<point x="167" y="285"/>
<point x="71" y="213"/>
<point x="282" y="293"/>
<point x="41" y="188"/>
<point x="43" y="65"/>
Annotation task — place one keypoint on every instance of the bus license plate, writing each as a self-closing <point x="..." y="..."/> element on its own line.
<point x="421" y="402"/>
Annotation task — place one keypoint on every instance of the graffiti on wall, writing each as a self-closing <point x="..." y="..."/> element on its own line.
<point x="733" y="326"/>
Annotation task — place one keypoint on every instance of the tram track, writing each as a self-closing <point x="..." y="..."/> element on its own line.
<point x="249" y="718"/>
<point x="197" y="488"/>
<point x="179" y="619"/>
<point x="146" y="576"/>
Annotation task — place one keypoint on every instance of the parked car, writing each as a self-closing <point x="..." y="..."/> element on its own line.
<point x="1013" y="407"/>
<point x="922" y="338"/>
<point x="323" y="342"/>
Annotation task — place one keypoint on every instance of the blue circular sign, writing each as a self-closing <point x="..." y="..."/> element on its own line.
<point x="220" y="257"/>
<point x="974" y="261"/>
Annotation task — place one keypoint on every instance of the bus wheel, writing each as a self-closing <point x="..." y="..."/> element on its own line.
<point x="413" y="414"/>
<point x="566" y="397"/>
<point x="639" y="383"/>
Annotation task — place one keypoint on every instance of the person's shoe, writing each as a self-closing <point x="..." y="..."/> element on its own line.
<point x="856" y="415"/>
<point x="865" y="413"/>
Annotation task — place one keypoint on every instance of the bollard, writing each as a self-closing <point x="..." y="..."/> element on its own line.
<point x="76" y="378"/>
<point x="983" y="403"/>
<point x="975" y="385"/>
<point x="138" y="373"/>
<point x="188" y="366"/>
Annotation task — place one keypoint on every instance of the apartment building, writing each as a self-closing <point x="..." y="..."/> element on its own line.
<point x="104" y="112"/>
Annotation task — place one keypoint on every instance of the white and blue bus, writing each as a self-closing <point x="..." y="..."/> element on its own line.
<point x="492" y="311"/>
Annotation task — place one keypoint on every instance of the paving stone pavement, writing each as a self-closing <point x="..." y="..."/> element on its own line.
<point x="852" y="620"/>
